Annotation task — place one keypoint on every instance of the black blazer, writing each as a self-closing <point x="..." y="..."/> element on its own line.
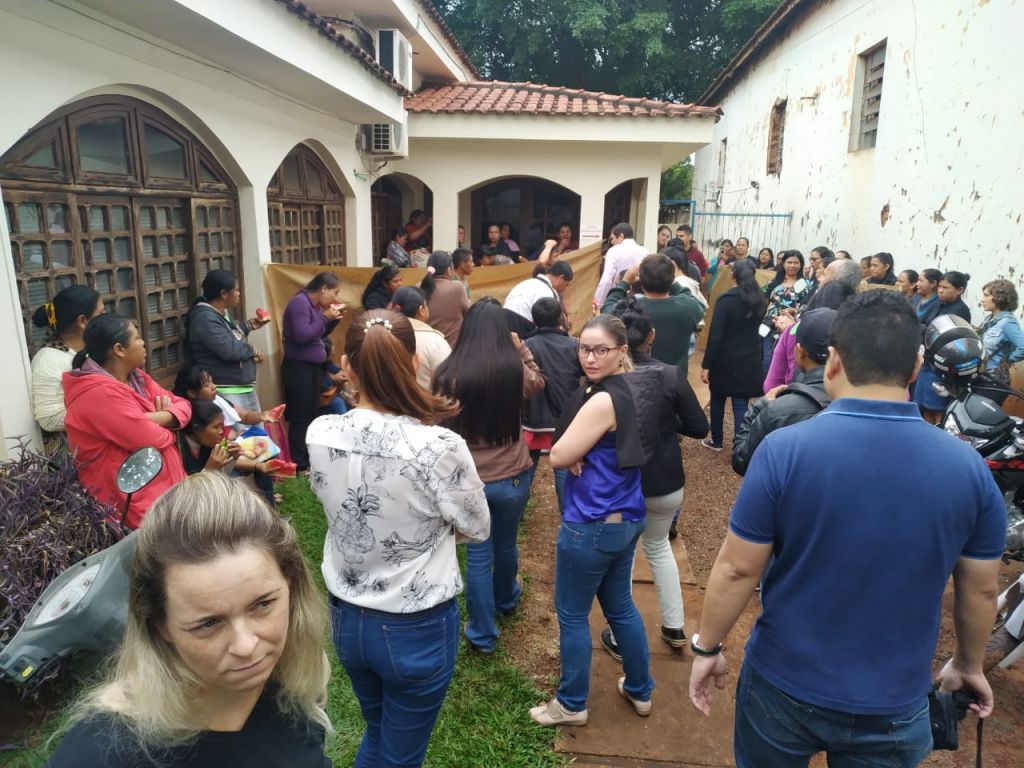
<point x="734" y="349"/>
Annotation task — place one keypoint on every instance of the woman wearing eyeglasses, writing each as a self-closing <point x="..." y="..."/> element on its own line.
<point x="602" y="521"/>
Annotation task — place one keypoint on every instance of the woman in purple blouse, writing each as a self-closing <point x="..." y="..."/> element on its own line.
<point x="309" y="317"/>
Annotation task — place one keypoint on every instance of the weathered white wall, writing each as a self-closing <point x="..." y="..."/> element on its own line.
<point x="949" y="155"/>
<point x="57" y="55"/>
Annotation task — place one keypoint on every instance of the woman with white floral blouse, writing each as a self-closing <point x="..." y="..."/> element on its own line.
<point x="397" y="490"/>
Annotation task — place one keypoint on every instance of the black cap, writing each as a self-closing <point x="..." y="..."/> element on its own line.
<point x="813" y="332"/>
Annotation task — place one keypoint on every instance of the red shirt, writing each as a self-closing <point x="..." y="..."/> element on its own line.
<point x="106" y="420"/>
<point x="696" y="257"/>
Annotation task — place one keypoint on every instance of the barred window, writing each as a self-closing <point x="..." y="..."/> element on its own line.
<point x="306" y="211"/>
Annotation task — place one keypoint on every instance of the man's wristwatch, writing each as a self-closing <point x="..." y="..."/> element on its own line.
<point x="698" y="651"/>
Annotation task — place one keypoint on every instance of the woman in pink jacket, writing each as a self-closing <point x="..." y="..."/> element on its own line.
<point x="114" y="408"/>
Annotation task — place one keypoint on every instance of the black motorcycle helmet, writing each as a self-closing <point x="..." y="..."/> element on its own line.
<point x="953" y="347"/>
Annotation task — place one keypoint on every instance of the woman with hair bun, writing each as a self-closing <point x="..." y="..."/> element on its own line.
<point x="222" y="660"/>
<point x="398" y="490"/>
<point x="115" y="408"/>
<point x="65" y="317"/>
<point x="446" y="304"/>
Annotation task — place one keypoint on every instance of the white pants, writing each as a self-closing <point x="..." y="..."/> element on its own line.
<point x="658" y="551"/>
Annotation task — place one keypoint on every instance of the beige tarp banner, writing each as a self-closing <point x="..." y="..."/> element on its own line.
<point x="283" y="281"/>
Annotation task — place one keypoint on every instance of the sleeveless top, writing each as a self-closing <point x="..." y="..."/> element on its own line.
<point x="603" y="488"/>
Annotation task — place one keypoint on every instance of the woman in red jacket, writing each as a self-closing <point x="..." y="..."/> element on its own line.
<point x="114" y="408"/>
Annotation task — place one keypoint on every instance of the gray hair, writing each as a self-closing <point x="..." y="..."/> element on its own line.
<point x="844" y="271"/>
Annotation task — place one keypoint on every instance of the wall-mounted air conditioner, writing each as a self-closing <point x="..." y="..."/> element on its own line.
<point x="386" y="140"/>
<point x="394" y="53"/>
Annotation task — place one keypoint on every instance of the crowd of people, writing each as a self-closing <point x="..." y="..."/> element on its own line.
<point x="426" y="431"/>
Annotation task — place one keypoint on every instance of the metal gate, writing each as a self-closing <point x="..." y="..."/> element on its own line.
<point x="769" y="230"/>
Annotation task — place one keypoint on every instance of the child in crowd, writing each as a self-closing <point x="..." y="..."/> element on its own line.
<point x="332" y="391"/>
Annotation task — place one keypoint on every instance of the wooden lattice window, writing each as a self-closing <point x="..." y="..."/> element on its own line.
<point x="114" y="194"/>
<point x="306" y="211"/>
<point x="872" y="70"/>
<point x="776" y="129"/>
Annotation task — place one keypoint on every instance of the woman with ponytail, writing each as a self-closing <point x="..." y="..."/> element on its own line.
<point x="115" y="408"/>
<point x="431" y="348"/>
<point x="65" y="317"/>
<point x="398" y="491"/>
<point x="446" y="304"/>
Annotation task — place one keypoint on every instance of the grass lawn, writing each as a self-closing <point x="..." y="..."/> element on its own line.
<point x="483" y="723"/>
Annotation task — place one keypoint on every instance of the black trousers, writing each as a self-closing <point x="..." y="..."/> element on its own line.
<point x="301" y="382"/>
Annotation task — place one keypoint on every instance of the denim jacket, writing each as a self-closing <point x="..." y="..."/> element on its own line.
<point x="1003" y="339"/>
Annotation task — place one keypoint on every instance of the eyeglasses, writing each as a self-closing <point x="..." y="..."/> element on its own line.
<point x="599" y="352"/>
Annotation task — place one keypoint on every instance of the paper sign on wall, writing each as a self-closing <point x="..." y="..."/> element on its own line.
<point x="590" y="232"/>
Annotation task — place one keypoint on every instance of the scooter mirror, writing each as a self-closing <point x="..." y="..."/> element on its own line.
<point x="139" y="469"/>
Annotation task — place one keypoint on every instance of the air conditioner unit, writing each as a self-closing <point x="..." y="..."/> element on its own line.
<point x="386" y="140"/>
<point x="394" y="53"/>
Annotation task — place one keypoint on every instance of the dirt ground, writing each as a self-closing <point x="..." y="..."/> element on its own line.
<point x="711" y="487"/>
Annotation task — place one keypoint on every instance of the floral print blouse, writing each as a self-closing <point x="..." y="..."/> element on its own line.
<point x="781" y="297"/>
<point x="395" y="492"/>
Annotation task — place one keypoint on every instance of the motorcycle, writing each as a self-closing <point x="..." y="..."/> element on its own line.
<point x="86" y="607"/>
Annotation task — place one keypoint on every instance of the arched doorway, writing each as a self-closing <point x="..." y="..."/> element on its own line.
<point x="393" y="198"/>
<point x="306" y="211"/>
<point x="112" y="193"/>
<point x="618" y="206"/>
<point x="527" y="204"/>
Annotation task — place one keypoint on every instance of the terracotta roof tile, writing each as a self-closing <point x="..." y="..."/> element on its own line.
<point x="497" y="97"/>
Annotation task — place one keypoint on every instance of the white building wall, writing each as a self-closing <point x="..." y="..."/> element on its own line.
<point x="949" y="155"/>
<point x="56" y="55"/>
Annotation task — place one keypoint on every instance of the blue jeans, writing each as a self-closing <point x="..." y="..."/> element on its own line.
<point x="492" y="565"/>
<point x="559" y="480"/>
<point x="597" y="559"/>
<point x="739" y="410"/>
<point x="774" y="730"/>
<point x="400" y="666"/>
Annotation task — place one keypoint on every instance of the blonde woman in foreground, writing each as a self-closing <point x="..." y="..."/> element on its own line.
<point x="222" y="663"/>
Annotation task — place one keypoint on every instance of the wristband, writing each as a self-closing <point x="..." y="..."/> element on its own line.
<point x="698" y="651"/>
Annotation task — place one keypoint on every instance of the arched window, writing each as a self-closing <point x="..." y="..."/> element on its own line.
<point x="111" y="192"/>
<point x="306" y="211"/>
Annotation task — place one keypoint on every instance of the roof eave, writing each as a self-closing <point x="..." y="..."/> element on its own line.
<point x="763" y="36"/>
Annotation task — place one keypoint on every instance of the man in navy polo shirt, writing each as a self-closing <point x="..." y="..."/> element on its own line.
<point x="840" y="658"/>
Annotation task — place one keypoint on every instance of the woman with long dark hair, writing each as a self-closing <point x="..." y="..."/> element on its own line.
<point x="382" y="286"/>
<point x="446" y="297"/>
<point x="66" y="318"/>
<point x="219" y="344"/>
<point x="310" y="315"/>
<point x="115" y="408"/>
<point x="599" y="442"/>
<point x="766" y="260"/>
<point x="732" y="358"/>
<point x="490" y="373"/>
<point x="787" y="293"/>
<point x="398" y="490"/>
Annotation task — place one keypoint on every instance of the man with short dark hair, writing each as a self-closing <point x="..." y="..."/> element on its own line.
<point x="462" y="265"/>
<point x="674" y="312"/>
<point x="793" y="403"/>
<point x="546" y="283"/>
<point x="685" y="233"/>
<point x="624" y="253"/>
<point x="840" y="657"/>
<point x="556" y="353"/>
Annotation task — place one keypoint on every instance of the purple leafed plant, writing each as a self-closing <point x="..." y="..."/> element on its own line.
<point x="47" y="523"/>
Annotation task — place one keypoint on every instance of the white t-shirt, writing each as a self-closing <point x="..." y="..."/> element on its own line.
<point x="619" y="258"/>
<point x="524" y="295"/>
<point x="48" y="368"/>
<point x="394" y="491"/>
